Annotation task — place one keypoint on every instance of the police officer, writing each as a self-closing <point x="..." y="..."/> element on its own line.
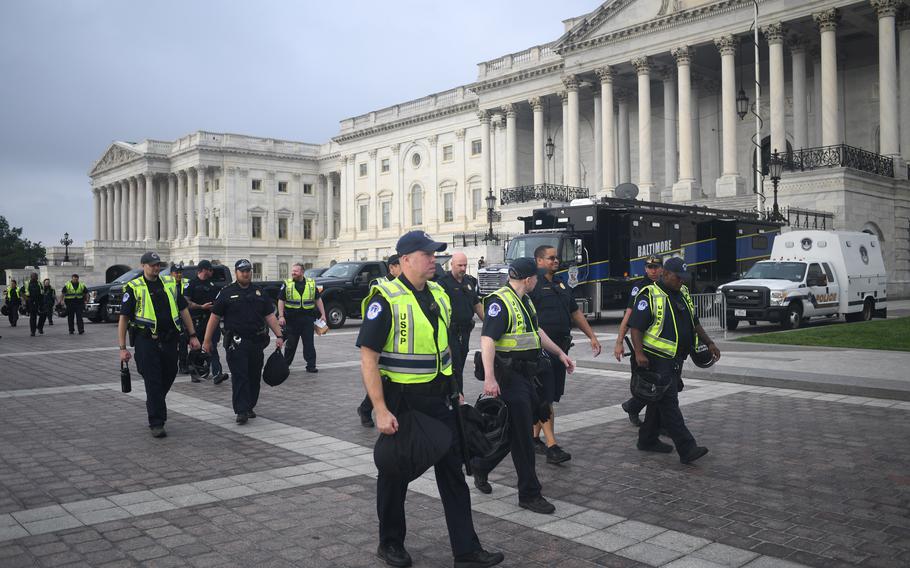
<point x="299" y="305"/>
<point x="177" y="275"/>
<point x="511" y="334"/>
<point x="200" y="295"/>
<point x="74" y="295"/>
<point x="415" y="374"/>
<point x="462" y="291"/>
<point x="155" y="312"/>
<point x="246" y="311"/>
<point x="13" y="300"/>
<point x="48" y="300"/>
<point x="33" y="301"/>
<point x="653" y="269"/>
<point x="365" y="410"/>
<point x="556" y="311"/>
<point x="664" y="330"/>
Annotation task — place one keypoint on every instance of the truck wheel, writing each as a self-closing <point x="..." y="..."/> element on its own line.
<point x="865" y="314"/>
<point x="793" y="318"/>
<point x="106" y="317"/>
<point x="732" y="322"/>
<point x="335" y="316"/>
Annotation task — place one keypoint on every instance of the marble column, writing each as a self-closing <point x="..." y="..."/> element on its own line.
<point x="511" y="114"/>
<point x="191" y="206"/>
<point x="118" y="210"/>
<point x="903" y="25"/>
<point x="774" y="35"/>
<point x="200" y="206"/>
<point x="608" y="131"/>
<point x="730" y="183"/>
<point x="670" y="139"/>
<point x="800" y="114"/>
<point x="564" y="98"/>
<point x="128" y="211"/>
<point x="170" y="220"/>
<point x="696" y="130"/>
<point x="330" y="208"/>
<point x="540" y="160"/>
<point x="151" y="208"/>
<point x="646" y="187"/>
<point x="486" y="150"/>
<point x="686" y="188"/>
<point x="342" y="225"/>
<point x="816" y="53"/>
<point x="596" y="182"/>
<point x="827" y="25"/>
<point x="572" y="154"/>
<point x="181" y="205"/>
<point x="624" y="143"/>
<point x="111" y="208"/>
<point x="102" y="195"/>
<point x="888" y="115"/>
<point x="142" y="207"/>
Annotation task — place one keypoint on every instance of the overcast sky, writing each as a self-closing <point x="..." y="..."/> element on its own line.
<point x="76" y="75"/>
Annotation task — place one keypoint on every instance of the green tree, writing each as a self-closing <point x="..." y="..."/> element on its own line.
<point x="16" y="252"/>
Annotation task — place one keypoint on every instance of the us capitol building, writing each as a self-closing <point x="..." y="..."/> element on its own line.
<point x="640" y="91"/>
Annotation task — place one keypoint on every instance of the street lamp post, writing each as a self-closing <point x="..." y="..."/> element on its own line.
<point x="775" y="169"/>
<point x="491" y="203"/>
<point x="66" y="241"/>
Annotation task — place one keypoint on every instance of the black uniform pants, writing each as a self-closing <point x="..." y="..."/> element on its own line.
<point x="13" y="315"/>
<point x="456" y="499"/>
<point x="36" y="317"/>
<point x="245" y="362"/>
<point x="299" y="326"/>
<point x="182" y="353"/>
<point x="459" y="343"/>
<point x="74" y="312"/>
<point x="665" y="413"/>
<point x="156" y="361"/>
<point x="520" y="395"/>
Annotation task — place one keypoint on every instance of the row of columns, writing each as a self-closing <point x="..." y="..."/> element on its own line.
<point x="127" y="210"/>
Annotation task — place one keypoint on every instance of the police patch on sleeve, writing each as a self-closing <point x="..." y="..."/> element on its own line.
<point x="126" y="296"/>
<point x="642" y="305"/>
<point x="374" y="310"/>
<point x="635" y="291"/>
<point x="494" y="310"/>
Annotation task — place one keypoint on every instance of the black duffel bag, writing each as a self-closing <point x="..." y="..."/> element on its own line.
<point x="276" y="369"/>
<point x="648" y="385"/>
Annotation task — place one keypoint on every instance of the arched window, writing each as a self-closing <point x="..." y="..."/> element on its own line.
<point x="417" y="205"/>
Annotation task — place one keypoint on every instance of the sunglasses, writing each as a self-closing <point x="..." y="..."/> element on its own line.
<point x="652" y="266"/>
<point x="551" y="258"/>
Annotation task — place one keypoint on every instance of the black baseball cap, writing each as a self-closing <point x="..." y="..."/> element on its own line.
<point x="653" y="259"/>
<point x="394" y="259"/>
<point x="414" y="241"/>
<point x="678" y="266"/>
<point x="152" y="257"/>
<point x="525" y="267"/>
<point x="243" y="265"/>
<point x="204" y="265"/>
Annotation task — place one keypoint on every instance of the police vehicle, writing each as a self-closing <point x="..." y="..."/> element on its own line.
<point x="602" y="246"/>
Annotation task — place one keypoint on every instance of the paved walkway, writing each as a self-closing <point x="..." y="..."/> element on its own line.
<point x="794" y="477"/>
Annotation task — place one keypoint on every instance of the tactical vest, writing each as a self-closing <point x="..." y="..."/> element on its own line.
<point x="413" y="353"/>
<point x="659" y="339"/>
<point x="294" y="300"/>
<point x="144" y="315"/>
<point x="521" y="333"/>
<point x="69" y="293"/>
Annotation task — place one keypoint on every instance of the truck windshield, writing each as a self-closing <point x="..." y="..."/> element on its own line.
<point x="524" y="245"/>
<point x="793" y="271"/>
<point x="342" y="270"/>
<point x="127" y="276"/>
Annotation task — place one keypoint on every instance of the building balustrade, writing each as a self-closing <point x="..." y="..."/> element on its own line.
<point x="839" y="155"/>
<point x="542" y="192"/>
<point x="808" y="219"/>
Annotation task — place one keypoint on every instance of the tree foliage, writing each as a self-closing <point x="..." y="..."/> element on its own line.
<point x="16" y="252"/>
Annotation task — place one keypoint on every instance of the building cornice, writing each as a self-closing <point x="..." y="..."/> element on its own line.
<point x="469" y="106"/>
<point x="517" y="77"/>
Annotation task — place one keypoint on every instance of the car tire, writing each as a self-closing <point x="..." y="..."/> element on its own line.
<point x="863" y="315"/>
<point x="793" y="319"/>
<point x="334" y="315"/>
<point x="731" y="322"/>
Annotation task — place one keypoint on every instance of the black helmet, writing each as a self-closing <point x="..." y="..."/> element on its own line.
<point x="702" y="356"/>
<point x="4" y="309"/>
<point x="199" y="363"/>
<point x="60" y="309"/>
<point x="495" y="416"/>
<point x="648" y="385"/>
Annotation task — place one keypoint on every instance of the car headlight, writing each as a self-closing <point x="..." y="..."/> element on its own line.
<point x="777" y="298"/>
<point x="92" y="296"/>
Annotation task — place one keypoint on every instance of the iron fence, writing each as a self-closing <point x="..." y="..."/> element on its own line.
<point x="839" y="155"/>
<point x="478" y="239"/>
<point x="711" y="309"/>
<point x="542" y="192"/>
<point x="808" y="219"/>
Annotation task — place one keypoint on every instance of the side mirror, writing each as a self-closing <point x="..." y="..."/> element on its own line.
<point x="579" y="250"/>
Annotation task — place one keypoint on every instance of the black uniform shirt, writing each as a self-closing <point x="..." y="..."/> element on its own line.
<point x="48" y="296"/>
<point x="378" y="318"/>
<point x="555" y="305"/>
<point x="496" y="321"/>
<point x="243" y="310"/>
<point x="200" y="292"/>
<point x="13" y="294"/>
<point x="159" y="301"/>
<point x="463" y="296"/>
<point x="641" y="318"/>
<point x="300" y="287"/>
<point x="33" y="289"/>
<point x="637" y="287"/>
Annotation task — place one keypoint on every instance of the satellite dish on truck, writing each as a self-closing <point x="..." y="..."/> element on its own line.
<point x="626" y="191"/>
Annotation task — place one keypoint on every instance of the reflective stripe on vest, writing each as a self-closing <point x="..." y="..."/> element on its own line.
<point x="73" y="294"/>
<point x="520" y="335"/>
<point x="294" y="300"/>
<point x="654" y="339"/>
<point x="144" y="314"/>
<point x="411" y="353"/>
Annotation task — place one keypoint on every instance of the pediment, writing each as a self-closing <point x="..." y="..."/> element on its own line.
<point x="615" y="15"/>
<point x="117" y="153"/>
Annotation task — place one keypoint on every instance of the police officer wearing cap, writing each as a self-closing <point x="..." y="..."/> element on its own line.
<point x="556" y="312"/>
<point x="299" y="305"/>
<point x="246" y="311"/>
<point x="365" y="410"/>
<point x="462" y="291"/>
<point x="408" y="365"/>
<point x="665" y="328"/>
<point x="200" y="293"/>
<point x="74" y="295"/>
<point x="180" y="283"/>
<point x="155" y="313"/>
<point x="653" y="270"/>
<point x="512" y="335"/>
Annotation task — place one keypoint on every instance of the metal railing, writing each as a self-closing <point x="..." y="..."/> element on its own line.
<point x="542" y="192"/>
<point x="477" y="239"/>
<point x="711" y="309"/>
<point x="839" y="155"/>
<point x="808" y="219"/>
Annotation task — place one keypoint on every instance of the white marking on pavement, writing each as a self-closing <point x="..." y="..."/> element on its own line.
<point x="57" y="351"/>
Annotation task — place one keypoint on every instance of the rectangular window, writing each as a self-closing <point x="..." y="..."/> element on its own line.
<point x="336" y="191"/>
<point x="447" y="153"/>
<point x="282" y="187"/>
<point x="217" y="227"/>
<point x="364" y="216"/>
<point x="363" y="170"/>
<point x="282" y="270"/>
<point x="385" y="167"/>
<point x="476" y="147"/>
<point x="417" y="208"/>
<point x="217" y="184"/>
<point x="386" y="214"/>
<point x="256" y="185"/>
<point x="476" y="201"/>
<point x="257" y="227"/>
<point x="257" y="271"/>
<point x="206" y="186"/>
<point x="448" y="212"/>
<point x="308" y="189"/>
<point x="207" y="233"/>
<point x="283" y="228"/>
<point x="361" y="254"/>
<point x="308" y="229"/>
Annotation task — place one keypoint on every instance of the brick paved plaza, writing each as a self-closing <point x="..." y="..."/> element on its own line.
<point x="793" y="477"/>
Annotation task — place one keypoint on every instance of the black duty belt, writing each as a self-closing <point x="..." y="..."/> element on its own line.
<point x="439" y="386"/>
<point x="462" y="326"/>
